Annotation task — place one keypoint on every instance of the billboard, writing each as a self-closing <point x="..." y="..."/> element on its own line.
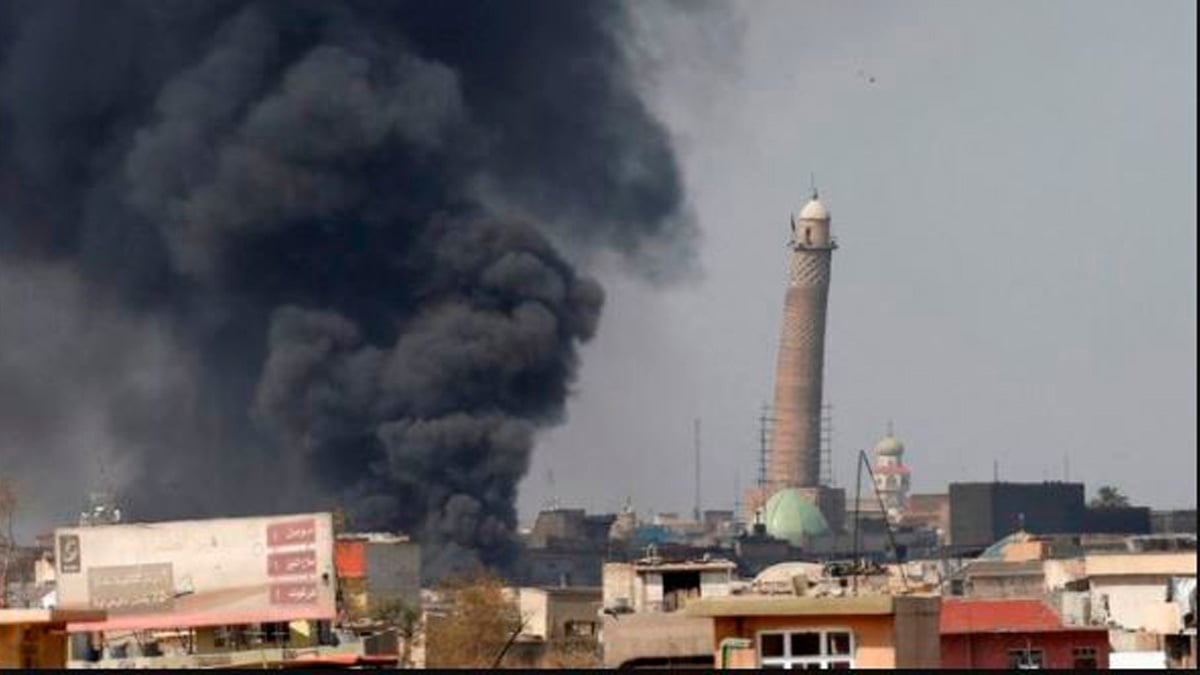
<point x="200" y="572"/>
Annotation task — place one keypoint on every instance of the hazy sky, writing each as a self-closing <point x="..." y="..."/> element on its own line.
<point x="1014" y="197"/>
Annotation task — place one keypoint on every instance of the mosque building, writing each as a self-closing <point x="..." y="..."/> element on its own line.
<point x="793" y="469"/>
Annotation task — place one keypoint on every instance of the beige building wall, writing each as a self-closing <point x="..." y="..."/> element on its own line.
<point x="549" y="611"/>
<point x="619" y="586"/>
<point x="676" y="635"/>
<point x="918" y="632"/>
<point x="1130" y="590"/>
<point x="244" y="570"/>
<point x="874" y="636"/>
<point x="908" y="638"/>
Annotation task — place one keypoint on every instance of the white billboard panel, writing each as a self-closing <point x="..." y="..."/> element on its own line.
<point x="200" y="572"/>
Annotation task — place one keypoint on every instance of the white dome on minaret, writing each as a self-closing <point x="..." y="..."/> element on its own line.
<point x="814" y="210"/>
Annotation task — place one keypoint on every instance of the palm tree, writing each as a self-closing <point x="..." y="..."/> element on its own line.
<point x="1109" y="497"/>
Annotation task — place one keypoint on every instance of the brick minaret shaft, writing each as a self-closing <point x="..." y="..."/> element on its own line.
<point x="795" y="457"/>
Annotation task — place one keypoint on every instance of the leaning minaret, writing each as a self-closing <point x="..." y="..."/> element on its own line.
<point x="795" y="457"/>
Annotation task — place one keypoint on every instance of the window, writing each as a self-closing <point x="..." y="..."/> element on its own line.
<point x="678" y="587"/>
<point x="821" y="649"/>
<point x="580" y="629"/>
<point x="1085" y="658"/>
<point x="275" y="632"/>
<point x="1026" y="659"/>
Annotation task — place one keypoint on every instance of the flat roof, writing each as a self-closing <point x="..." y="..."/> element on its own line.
<point x="1003" y="568"/>
<point x="765" y="605"/>
<point x="32" y="616"/>
<point x="1161" y="563"/>
<point x="588" y="591"/>
<point x="683" y="566"/>
<point x="375" y="537"/>
<point x="1004" y="615"/>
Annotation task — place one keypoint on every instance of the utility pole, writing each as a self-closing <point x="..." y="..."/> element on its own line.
<point x="551" y="503"/>
<point x="696" y="444"/>
<point x="857" y="505"/>
<point x="737" y="494"/>
<point x="864" y="462"/>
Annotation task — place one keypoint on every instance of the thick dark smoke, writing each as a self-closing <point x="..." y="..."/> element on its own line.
<point x="258" y="256"/>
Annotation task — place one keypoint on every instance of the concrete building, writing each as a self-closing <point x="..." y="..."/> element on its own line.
<point x="204" y="593"/>
<point x="674" y="640"/>
<point x="643" y="626"/>
<point x="1117" y="520"/>
<point x="1014" y="634"/>
<point x="929" y="511"/>
<point x="866" y="631"/>
<point x="28" y="577"/>
<point x="566" y="527"/>
<point x="376" y="568"/>
<point x="559" y="614"/>
<point x="997" y="579"/>
<point x="566" y="547"/>
<point x="561" y="627"/>
<point x="983" y="513"/>
<point x="1179" y="521"/>
<point x="656" y="585"/>
<point x="1130" y="591"/>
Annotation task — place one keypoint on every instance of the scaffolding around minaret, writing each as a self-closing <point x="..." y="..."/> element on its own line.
<point x="795" y="432"/>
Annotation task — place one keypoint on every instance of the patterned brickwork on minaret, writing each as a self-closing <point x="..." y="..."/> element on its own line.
<point x="795" y="456"/>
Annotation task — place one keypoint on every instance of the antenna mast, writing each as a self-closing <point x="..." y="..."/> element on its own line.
<point x="696" y="444"/>
<point x="551" y="496"/>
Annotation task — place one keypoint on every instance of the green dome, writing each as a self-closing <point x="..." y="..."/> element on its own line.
<point x="788" y="515"/>
<point x="996" y="550"/>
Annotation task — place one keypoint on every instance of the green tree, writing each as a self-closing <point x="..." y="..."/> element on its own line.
<point x="1109" y="497"/>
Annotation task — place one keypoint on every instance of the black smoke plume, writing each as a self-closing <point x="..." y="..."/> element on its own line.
<point x="258" y="256"/>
